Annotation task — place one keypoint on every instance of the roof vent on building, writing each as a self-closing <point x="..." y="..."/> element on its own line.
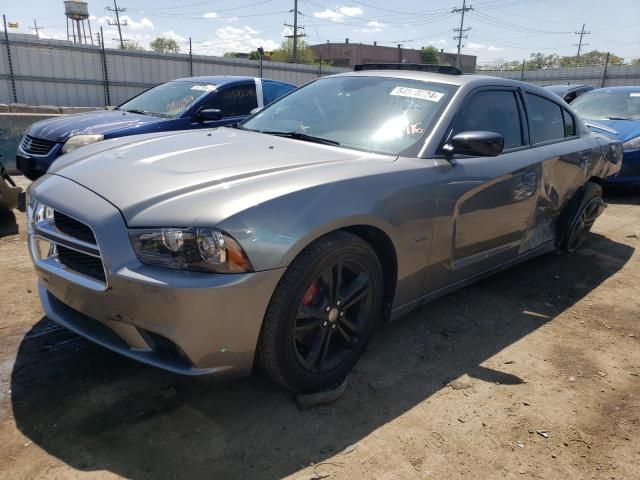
<point x="346" y="40"/>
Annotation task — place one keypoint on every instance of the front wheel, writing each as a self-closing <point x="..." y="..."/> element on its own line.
<point x="322" y="313"/>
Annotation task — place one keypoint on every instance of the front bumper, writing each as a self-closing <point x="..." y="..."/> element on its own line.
<point x="34" y="166"/>
<point x="185" y="322"/>
<point x="629" y="173"/>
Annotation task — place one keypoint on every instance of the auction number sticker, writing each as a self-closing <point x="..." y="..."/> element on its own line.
<point x="417" y="93"/>
<point x="204" y="88"/>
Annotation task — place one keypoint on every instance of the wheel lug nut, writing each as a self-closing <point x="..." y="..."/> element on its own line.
<point x="327" y="309"/>
<point x="339" y="302"/>
<point x="333" y="326"/>
<point x="342" y="313"/>
<point x="324" y="324"/>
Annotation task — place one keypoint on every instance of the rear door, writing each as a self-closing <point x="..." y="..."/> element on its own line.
<point x="565" y="156"/>
<point x="485" y="203"/>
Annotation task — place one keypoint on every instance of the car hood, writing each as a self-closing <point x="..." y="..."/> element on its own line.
<point x="625" y="129"/>
<point x="103" y="122"/>
<point x="182" y="178"/>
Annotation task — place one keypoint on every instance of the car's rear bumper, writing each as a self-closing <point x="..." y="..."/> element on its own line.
<point x="629" y="173"/>
<point x="185" y="322"/>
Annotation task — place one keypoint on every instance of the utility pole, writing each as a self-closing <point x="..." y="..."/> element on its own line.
<point x="36" y="28"/>
<point x="295" y="35"/>
<point x="582" y="33"/>
<point x="117" y="11"/>
<point x="461" y="31"/>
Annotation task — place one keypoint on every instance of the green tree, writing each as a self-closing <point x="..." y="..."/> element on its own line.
<point x="284" y="53"/>
<point x="164" y="45"/>
<point x="229" y="55"/>
<point x="132" y="45"/>
<point x="635" y="61"/>
<point x="429" y="55"/>
<point x="539" y="61"/>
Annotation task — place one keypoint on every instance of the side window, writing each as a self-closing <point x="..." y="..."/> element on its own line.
<point x="274" y="90"/>
<point x="545" y="119"/>
<point x="569" y="124"/>
<point x="494" y="111"/>
<point x="236" y="101"/>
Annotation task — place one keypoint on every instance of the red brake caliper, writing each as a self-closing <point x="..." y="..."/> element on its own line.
<point x="310" y="294"/>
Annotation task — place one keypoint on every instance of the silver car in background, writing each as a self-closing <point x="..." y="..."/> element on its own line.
<point x="283" y="241"/>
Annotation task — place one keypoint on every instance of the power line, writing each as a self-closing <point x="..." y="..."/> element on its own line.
<point x="295" y="35"/>
<point x="461" y="31"/>
<point x="582" y="33"/>
<point x="36" y="28"/>
<point x="117" y="22"/>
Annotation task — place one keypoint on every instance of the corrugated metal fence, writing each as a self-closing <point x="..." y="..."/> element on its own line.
<point x="50" y="72"/>
<point x="596" y="75"/>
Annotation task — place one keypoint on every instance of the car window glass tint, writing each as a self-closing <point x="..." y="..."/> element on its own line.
<point x="238" y="100"/>
<point x="545" y="119"/>
<point x="569" y="124"/>
<point x="493" y="111"/>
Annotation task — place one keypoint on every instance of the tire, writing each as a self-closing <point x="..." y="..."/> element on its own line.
<point x="311" y="337"/>
<point x="580" y="215"/>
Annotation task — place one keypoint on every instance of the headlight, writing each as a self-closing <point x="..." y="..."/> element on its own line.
<point x="632" y="144"/>
<point x="78" y="141"/>
<point x="198" y="249"/>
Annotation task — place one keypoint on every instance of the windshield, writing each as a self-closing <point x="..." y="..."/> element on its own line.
<point x="167" y="99"/>
<point x="608" y="105"/>
<point x="376" y="114"/>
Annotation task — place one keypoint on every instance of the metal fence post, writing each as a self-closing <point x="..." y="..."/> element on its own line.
<point x="260" y="58"/>
<point x="190" y="59"/>
<point x="604" y="72"/>
<point x="105" y="73"/>
<point x="11" y="74"/>
<point x="522" y="71"/>
<point x="320" y="68"/>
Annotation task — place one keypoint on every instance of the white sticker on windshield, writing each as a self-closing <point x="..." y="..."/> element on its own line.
<point x="417" y="93"/>
<point x="634" y="94"/>
<point x="204" y="88"/>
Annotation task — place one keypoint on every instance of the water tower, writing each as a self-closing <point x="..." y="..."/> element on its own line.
<point x="77" y="12"/>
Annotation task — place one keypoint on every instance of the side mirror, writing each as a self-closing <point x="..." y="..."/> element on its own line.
<point x="255" y="110"/>
<point x="477" y="144"/>
<point x="210" y="114"/>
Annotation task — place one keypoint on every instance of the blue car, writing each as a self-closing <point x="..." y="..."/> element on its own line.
<point x="186" y="103"/>
<point x="615" y="111"/>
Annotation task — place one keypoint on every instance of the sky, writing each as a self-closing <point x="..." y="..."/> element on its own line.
<point x="499" y="29"/>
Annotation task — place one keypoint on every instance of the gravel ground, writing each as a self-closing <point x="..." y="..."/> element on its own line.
<point x="533" y="373"/>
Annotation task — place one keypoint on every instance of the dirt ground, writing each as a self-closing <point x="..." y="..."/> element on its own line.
<point x="533" y="373"/>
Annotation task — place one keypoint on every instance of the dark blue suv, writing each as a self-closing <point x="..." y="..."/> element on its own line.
<point x="198" y="102"/>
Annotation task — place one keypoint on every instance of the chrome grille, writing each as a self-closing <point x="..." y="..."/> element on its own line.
<point x="81" y="263"/>
<point x="65" y="246"/>
<point x="73" y="228"/>
<point x="36" y="146"/>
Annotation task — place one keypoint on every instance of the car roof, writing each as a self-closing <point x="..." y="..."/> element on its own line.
<point x="459" y="80"/>
<point x="218" y="79"/>
<point x="632" y="89"/>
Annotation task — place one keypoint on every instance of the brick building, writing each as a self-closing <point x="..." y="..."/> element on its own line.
<point x="350" y="54"/>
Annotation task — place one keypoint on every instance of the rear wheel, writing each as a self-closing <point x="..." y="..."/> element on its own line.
<point x="581" y="217"/>
<point x="322" y="313"/>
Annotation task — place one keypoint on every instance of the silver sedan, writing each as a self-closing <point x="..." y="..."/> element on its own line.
<point x="285" y="240"/>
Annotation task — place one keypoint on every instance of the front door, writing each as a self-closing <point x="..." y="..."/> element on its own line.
<point x="484" y="203"/>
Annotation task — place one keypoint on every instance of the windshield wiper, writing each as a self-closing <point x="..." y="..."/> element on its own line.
<point x="618" y="118"/>
<point x="302" y="136"/>
<point x="141" y="112"/>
